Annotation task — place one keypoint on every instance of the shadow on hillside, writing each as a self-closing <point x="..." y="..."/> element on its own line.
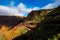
<point x="36" y="34"/>
<point x="10" y="21"/>
<point x="43" y="31"/>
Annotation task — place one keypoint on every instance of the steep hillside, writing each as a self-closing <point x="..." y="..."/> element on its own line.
<point x="10" y="21"/>
<point x="44" y="25"/>
<point x="7" y="23"/>
<point x="38" y="25"/>
<point x="36" y="16"/>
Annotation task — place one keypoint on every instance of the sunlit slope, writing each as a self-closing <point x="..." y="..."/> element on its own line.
<point x="45" y="25"/>
<point x="36" y="20"/>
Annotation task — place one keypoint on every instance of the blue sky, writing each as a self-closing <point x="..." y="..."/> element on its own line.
<point x="28" y="3"/>
<point x="23" y="7"/>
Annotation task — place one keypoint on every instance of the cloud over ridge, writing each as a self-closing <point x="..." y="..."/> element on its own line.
<point x="52" y="5"/>
<point x="22" y="9"/>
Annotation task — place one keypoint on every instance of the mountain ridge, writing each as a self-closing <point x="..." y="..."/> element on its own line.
<point x="33" y="24"/>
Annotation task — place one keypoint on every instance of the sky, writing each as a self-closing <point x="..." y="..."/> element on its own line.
<point x="23" y="7"/>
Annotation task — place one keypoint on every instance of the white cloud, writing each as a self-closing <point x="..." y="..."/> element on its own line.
<point x="52" y="5"/>
<point x="36" y="8"/>
<point x="20" y="10"/>
<point x="31" y="9"/>
<point x="48" y="6"/>
<point x="8" y="10"/>
<point x="22" y="7"/>
<point x="12" y="4"/>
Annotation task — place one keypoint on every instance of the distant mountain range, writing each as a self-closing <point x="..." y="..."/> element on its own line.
<point x="10" y="21"/>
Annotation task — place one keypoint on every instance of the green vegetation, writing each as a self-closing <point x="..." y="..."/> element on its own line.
<point x="47" y="25"/>
<point x="39" y="25"/>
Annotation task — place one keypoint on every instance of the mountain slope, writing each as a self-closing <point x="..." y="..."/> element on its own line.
<point x="10" y="20"/>
<point x="44" y="25"/>
<point x="38" y="25"/>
